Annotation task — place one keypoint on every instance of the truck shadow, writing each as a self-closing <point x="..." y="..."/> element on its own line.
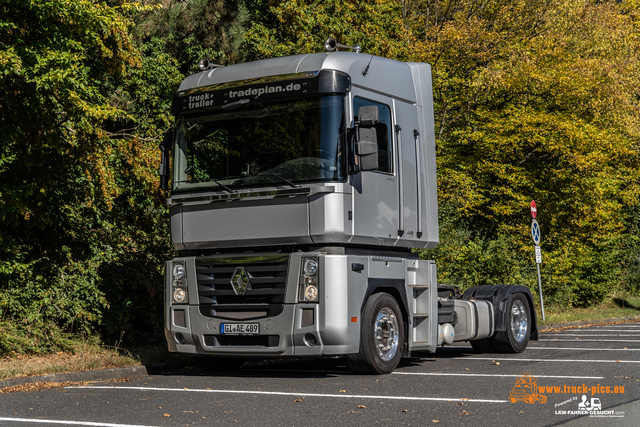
<point x="306" y="367"/>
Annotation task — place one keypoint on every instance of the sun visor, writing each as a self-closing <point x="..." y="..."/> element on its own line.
<point x="282" y="87"/>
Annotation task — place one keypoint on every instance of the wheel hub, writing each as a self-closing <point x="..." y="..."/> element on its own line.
<point x="519" y="321"/>
<point x="386" y="334"/>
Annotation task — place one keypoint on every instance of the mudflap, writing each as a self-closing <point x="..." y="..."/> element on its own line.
<point x="499" y="295"/>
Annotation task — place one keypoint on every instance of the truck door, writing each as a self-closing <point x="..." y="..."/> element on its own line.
<point x="407" y="120"/>
<point x="375" y="193"/>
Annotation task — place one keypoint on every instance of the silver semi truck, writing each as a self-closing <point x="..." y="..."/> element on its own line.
<point x="299" y="187"/>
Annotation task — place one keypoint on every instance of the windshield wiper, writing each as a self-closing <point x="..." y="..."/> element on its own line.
<point x="236" y="104"/>
<point x="280" y="177"/>
<point x="223" y="186"/>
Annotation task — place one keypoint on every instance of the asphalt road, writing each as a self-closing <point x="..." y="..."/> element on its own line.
<point x="452" y="387"/>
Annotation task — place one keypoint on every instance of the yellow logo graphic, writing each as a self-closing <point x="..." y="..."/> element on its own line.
<point x="526" y="390"/>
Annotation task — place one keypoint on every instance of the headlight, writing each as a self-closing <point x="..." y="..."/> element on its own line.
<point x="311" y="293"/>
<point x="179" y="284"/>
<point x="179" y="295"/>
<point x="178" y="271"/>
<point x="309" y="290"/>
<point x="310" y="267"/>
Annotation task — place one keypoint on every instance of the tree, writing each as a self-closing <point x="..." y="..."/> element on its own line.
<point x="195" y="29"/>
<point x="537" y="100"/>
<point x="61" y="172"/>
<point x="302" y="26"/>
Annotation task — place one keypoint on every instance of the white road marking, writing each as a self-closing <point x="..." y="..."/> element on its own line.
<point x="421" y="373"/>
<point x="77" y="423"/>
<point x="494" y="375"/>
<point x="582" y="348"/>
<point x="590" y="335"/>
<point x="533" y="360"/>
<point x="553" y="348"/>
<point x="587" y="340"/>
<point x="598" y="330"/>
<point x="281" y="393"/>
<point x="626" y="325"/>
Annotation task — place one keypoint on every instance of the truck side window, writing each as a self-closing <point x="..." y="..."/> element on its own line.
<point x="383" y="130"/>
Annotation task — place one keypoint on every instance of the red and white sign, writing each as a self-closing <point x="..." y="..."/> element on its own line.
<point x="534" y="209"/>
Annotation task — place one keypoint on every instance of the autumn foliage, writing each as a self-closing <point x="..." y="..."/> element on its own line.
<point x="535" y="99"/>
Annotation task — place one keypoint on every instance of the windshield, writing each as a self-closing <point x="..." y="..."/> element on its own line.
<point x="249" y="144"/>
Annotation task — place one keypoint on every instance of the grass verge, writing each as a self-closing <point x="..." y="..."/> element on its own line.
<point x="618" y="307"/>
<point x="84" y="356"/>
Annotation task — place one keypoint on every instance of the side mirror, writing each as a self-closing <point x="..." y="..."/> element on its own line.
<point x="367" y="138"/>
<point x="165" y="150"/>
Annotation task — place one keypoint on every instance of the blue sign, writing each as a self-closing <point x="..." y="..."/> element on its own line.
<point x="535" y="231"/>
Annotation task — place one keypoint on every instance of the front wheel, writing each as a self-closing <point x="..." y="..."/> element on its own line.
<point x="381" y="337"/>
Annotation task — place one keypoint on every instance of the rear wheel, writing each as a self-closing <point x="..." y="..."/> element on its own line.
<point x="516" y="337"/>
<point x="381" y="337"/>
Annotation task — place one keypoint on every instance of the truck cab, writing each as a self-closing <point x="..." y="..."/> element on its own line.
<point x="299" y="186"/>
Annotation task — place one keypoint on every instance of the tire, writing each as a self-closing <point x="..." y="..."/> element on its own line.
<point x="219" y="364"/>
<point x="516" y="337"/>
<point x="381" y="337"/>
<point x="486" y="345"/>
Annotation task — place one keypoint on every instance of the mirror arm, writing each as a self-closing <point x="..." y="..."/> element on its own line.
<point x="165" y="150"/>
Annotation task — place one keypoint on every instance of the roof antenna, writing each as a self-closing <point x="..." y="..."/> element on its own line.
<point x="332" y="44"/>
<point x="366" y="69"/>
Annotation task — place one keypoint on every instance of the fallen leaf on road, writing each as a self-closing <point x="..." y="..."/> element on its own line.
<point x="465" y="413"/>
<point x="362" y="407"/>
<point x="404" y="410"/>
<point x="167" y="415"/>
<point x="342" y="391"/>
<point x="435" y="421"/>
<point x="298" y="400"/>
<point x="40" y="386"/>
<point x="495" y="363"/>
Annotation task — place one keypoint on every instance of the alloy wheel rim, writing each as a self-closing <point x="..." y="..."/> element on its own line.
<point x="519" y="321"/>
<point x="386" y="334"/>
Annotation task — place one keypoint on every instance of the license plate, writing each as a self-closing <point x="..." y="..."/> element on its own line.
<point x="240" y="328"/>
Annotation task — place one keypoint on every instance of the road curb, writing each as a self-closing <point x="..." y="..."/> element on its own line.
<point x="95" y="375"/>
<point x="569" y="325"/>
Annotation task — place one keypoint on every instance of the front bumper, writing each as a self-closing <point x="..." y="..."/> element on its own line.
<point x="329" y="327"/>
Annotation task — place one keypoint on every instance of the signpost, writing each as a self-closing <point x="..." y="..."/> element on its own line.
<point x="536" y="235"/>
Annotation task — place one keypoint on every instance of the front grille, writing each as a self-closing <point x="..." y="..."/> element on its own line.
<point x="241" y="341"/>
<point x="263" y="297"/>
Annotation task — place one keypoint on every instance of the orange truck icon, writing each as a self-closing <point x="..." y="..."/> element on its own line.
<point x="526" y="390"/>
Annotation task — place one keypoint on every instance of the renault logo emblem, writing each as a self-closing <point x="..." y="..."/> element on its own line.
<point x="240" y="280"/>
